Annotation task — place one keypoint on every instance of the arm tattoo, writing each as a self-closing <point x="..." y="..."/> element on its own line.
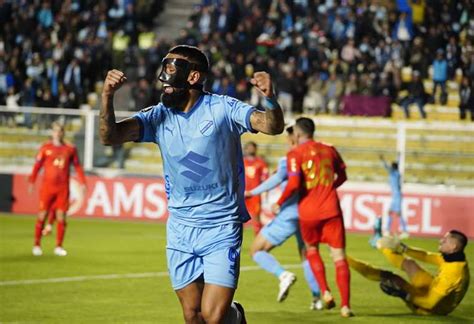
<point x="270" y="122"/>
<point x="107" y="127"/>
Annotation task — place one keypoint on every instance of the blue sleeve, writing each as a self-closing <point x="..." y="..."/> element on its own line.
<point x="273" y="181"/>
<point x="239" y="113"/>
<point x="148" y="118"/>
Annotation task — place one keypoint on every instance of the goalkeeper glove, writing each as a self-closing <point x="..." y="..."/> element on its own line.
<point x="391" y="243"/>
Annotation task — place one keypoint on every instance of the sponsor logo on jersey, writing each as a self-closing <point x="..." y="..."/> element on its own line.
<point x="194" y="163"/>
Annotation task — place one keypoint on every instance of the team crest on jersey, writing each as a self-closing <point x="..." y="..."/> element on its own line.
<point x="206" y="127"/>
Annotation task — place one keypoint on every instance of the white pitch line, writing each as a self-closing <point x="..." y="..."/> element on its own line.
<point x="113" y="276"/>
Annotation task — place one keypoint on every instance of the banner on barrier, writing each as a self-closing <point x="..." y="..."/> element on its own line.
<point x="428" y="214"/>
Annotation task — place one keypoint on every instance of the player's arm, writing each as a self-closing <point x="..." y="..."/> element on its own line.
<point x="340" y="170"/>
<point x="271" y="120"/>
<point x="37" y="166"/>
<point x="385" y="164"/>
<point x="270" y="183"/>
<point x="294" y="178"/>
<point x="111" y="132"/>
<point x="78" y="167"/>
<point x="424" y="256"/>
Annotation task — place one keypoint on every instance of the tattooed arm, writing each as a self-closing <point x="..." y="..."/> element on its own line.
<point x="271" y="121"/>
<point x="111" y="132"/>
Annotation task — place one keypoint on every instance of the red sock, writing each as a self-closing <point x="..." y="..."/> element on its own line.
<point x="317" y="265"/>
<point x="61" y="229"/>
<point x="38" y="229"/>
<point x="343" y="279"/>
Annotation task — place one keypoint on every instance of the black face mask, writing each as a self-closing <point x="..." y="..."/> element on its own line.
<point x="175" y="72"/>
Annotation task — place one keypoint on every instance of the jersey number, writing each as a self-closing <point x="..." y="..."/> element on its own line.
<point x="325" y="177"/>
<point x="59" y="162"/>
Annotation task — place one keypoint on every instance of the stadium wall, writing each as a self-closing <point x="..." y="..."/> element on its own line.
<point x="429" y="210"/>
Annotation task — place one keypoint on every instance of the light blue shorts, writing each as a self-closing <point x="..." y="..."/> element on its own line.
<point x="284" y="225"/>
<point x="213" y="253"/>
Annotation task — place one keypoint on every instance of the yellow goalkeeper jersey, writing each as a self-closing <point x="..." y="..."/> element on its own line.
<point x="446" y="290"/>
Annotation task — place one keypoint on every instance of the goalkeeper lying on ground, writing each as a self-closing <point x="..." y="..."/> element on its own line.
<point x="423" y="293"/>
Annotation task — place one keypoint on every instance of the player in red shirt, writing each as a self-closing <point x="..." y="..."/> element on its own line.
<point x="256" y="171"/>
<point x="317" y="170"/>
<point x="55" y="156"/>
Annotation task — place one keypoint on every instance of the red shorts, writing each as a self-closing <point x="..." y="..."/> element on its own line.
<point x="54" y="198"/>
<point x="329" y="230"/>
<point x="254" y="206"/>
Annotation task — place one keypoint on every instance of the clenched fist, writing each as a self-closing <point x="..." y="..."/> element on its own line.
<point x="263" y="82"/>
<point x="113" y="82"/>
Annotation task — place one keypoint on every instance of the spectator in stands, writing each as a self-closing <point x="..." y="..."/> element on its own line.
<point x="416" y="94"/>
<point x="466" y="95"/>
<point x="440" y="76"/>
<point x="332" y="91"/>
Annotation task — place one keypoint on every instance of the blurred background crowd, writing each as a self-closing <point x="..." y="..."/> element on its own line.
<point x="55" y="53"/>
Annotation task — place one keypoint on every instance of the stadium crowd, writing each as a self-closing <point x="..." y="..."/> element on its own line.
<point x="53" y="53"/>
<point x="323" y="50"/>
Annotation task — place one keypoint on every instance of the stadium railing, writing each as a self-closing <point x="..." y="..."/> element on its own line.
<point x="431" y="152"/>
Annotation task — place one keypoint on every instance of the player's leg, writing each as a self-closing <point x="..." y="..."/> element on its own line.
<point x="377" y="232"/>
<point x="185" y="269"/>
<point x="190" y="298"/>
<point x="316" y="303"/>
<point x="311" y="232"/>
<point x="219" y="248"/>
<point x="62" y="203"/>
<point x="396" y="211"/>
<point x="388" y="223"/>
<point x="46" y="200"/>
<point x="217" y="305"/>
<point x="275" y="234"/>
<point x="49" y="224"/>
<point x="333" y="233"/>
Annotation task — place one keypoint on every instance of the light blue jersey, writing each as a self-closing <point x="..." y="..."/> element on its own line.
<point x="202" y="158"/>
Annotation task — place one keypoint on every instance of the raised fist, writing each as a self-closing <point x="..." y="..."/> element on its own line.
<point x="113" y="81"/>
<point x="263" y="82"/>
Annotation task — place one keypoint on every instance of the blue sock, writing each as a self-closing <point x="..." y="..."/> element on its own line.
<point x="403" y="224"/>
<point x="310" y="279"/>
<point x="268" y="262"/>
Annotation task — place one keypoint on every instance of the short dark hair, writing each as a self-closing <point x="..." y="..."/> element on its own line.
<point x="289" y="130"/>
<point x="194" y="55"/>
<point x="395" y="165"/>
<point x="306" y="125"/>
<point x="460" y="237"/>
<point x="251" y="143"/>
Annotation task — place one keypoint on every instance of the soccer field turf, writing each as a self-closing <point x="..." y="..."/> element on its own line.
<point x="116" y="272"/>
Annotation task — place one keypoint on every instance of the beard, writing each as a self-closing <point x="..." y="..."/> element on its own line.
<point x="175" y="100"/>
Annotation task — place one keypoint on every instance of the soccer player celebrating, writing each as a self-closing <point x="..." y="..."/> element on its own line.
<point x="256" y="171"/>
<point x="319" y="169"/>
<point x="396" y="204"/>
<point x="199" y="137"/>
<point x="278" y="231"/>
<point x="423" y="293"/>
<point x="56" y="156"/>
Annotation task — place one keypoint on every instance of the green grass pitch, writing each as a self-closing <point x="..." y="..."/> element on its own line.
<point x="100" y="249"/>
